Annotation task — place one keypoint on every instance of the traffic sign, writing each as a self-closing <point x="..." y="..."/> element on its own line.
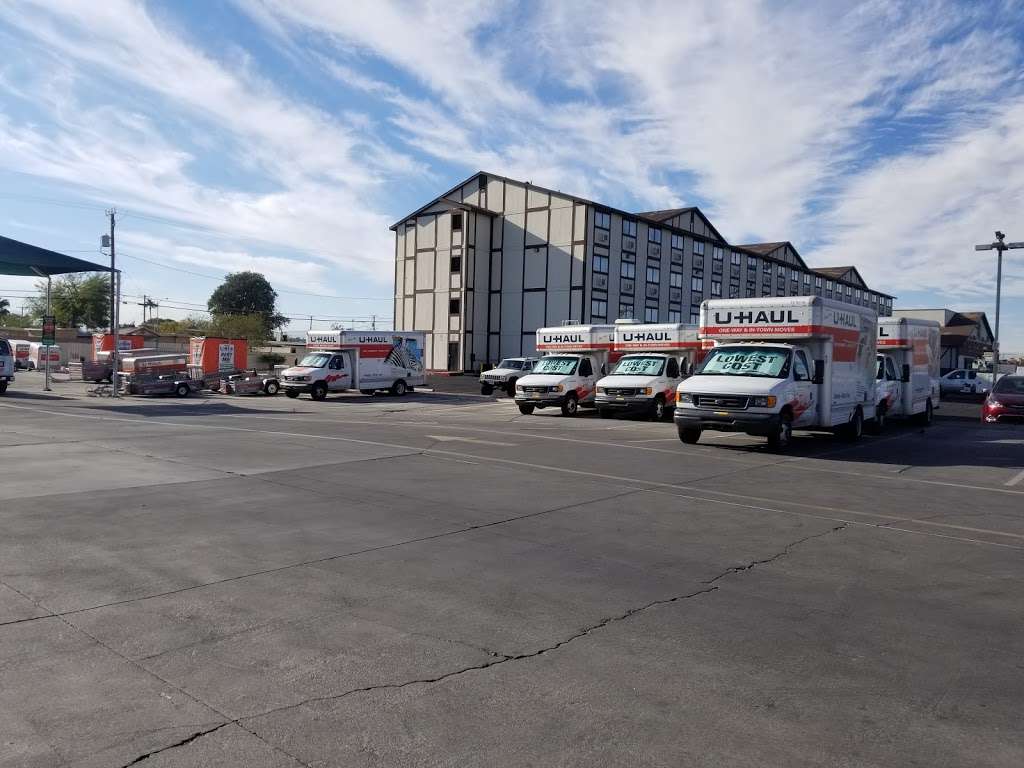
<point x="49" y="331"/>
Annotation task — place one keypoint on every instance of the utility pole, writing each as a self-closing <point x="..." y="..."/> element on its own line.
<point x="999" y="246"/>
<point x="115" y="282"/>
<point x="373" y="322"/>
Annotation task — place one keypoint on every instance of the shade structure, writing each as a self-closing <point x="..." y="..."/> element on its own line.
<point x="18" y="258"/>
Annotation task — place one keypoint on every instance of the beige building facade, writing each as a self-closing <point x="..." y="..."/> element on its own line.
<point x="484" y="265"/>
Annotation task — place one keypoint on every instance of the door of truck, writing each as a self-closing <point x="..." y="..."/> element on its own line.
<point x="894" y="385"/>
<point x="586" y="389"/>
<point x="805" y="410"/>
<point x="339" y="372"/>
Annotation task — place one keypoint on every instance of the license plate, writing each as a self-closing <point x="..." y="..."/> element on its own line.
<point x="721" y="413"/>
<point x="535" y="395"/>
<point x="619" y="397"/>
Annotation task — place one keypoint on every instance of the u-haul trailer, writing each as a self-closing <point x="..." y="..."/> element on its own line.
<point x="574" y="358"/>
<point x="651" y="359"/>
<point x="365" y="360"/>
<point x="907" y="369"/>
<point x="778" y="364"/>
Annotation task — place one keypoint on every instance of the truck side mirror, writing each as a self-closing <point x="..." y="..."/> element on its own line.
<point x="819" y="371"/>
<point x="906" y="373"/>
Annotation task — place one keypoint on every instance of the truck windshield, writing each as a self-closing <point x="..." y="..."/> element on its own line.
<point x="5" y="348"/>
<point x="639" y="366"/>
<point x="513" y="364"/>
<point x="764" y="362"/>
<point x="566" y="366"/>
<point x="880" y="373"/>
<point x="315" y="361"/>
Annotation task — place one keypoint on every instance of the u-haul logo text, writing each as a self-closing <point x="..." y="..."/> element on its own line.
<point x="761" y="317"/>
<point x="645" y="336"/>
<point x="562" y="338"/>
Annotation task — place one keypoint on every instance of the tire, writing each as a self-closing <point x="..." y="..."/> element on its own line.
<point x="399" y="388"/>
<point x="606" y="413"/>
<point x="855" y="428"/>
<point x="525" y="409"/>
<point x="319" y="391"/>
<point x="925" y="417"/>
<point x="571" y="406"/>
<point x="3" y="387"/>
<point x="368" y="391"/>
<point x="291" y="393"/>
<point x="182" y="390"/>
<point x="877" y="426"/>
<point x="271" y="388"/>
<point x="780" y="440"/>
<point x="31" y="365"/>
<point x="486" y="389"/>
<point x="510" y="388"/>
<point x="689" y="435"/>
<point x="659" y="411"/>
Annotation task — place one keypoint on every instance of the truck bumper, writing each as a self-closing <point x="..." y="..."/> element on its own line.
<point x="752" y="423"/>
<point x="625" y="405"/>
<point x="544" y="401"/>
<point x="300" y="387"/>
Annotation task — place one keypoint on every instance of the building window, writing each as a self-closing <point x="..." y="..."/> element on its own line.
<point x="717" y="254"/>
<point x="602" y="220"/>
<point x="454" y="306"/>
<point x="628" y="270"/>
<point x="650" y="314"/>
<point x="628" y="228"/>
<point x="782" y="271"/>
<point x="626" y="311"/>
<point x="695" y="313"/>
<point x="601" y="264"/>
<point x="751" y="288"/>
<point x="751" y="264"/>
<point x="456" y="222"/>
<point x="698" y="261"/>
<point x="653" y="275"/>
<point x="653" y="235"/>
<point x="677" y="242"/>
<point x="735" y="257"/>
<point x="767" y="269"/>
<point x="598" y="309"/>
<point x="697" y="284"/>
<point x="675" y="279"/>
<point x="716" y="288"/>
<point x="807" y="279"/>
<point x="856" y="294"/>
<point x="716" y="267"/>
<point x="817" y="282"/>
<point x="456" y="264"/>
<point x="849" y="291"/>
<point x="628" y="256"/>
<point x="698" y="248"/>
<point x="675" y="316"/>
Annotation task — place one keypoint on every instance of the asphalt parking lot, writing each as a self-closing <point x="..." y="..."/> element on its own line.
<point x="440" y="581"/>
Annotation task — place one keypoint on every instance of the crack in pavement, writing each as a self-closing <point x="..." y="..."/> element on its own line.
<point x="764" y="561"/>
<point x="182" y="743"/>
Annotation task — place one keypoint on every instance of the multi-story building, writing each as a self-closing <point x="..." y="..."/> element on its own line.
<point x="484" y="265"/>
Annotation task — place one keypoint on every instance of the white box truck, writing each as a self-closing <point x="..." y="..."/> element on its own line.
<point x="6" y="365"/>
<point x="650" y="359"/>
<point x="574" y="358"/>
<point x="365" y="360"/>
<point x="37" y="353"/>
<point x="779" y="364"/>
<point x="907" y="369"/>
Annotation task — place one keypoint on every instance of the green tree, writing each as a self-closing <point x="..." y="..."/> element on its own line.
<point x="4" y="307"/>
<point x="247" y="293"/>
<point x="75" y="300"/>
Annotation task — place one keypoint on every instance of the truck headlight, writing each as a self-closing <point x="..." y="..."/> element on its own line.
<point x="519" y="387"/>
<point x="557" y="388"/>
<point x="648" y="390"/>
<point x="684" y="397"/>
<point x="602" y="391"/>
<point x="764" y="402"/>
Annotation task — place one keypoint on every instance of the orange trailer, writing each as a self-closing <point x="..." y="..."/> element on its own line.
<point x="213" y="355"/>
<point x="104" y="342"/>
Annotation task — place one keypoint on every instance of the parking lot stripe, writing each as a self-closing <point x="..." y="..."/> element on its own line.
<point x="1016" y="478"/>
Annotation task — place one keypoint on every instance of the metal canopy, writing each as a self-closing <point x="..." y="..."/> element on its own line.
<point x="18" y="258"/>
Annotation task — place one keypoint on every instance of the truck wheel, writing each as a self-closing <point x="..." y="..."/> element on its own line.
<point x="319" y="391"/>
<point x="855" y="428"/>
<point x="783" y="436"/>
<point x="399" y="388"/>
<point x="658" y="409"/>
<point x="525" y="409"/>
<point x="689" y="435"/>
<point x="271" y="388"/>
<point x="606" y="413"/>
<point x="510" y="388"/>
<point x="925" y="417"/>
<point x="3" y="387"/>
<point x="182" y="390"/>
<point x="486" y="389"/>
<point x="878" y="425"/>
<point x="571" y="406"/>
<point x="367" y="391"/>
<point x="292" y="393"/>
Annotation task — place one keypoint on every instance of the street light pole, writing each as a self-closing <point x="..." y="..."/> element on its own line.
<point x="999" y="246"/>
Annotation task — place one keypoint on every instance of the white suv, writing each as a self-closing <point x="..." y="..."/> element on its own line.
<point x="505" y="375"/>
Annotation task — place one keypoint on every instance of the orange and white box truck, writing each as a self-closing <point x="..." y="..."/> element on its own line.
<point x="575" y="357"/>
<point x="778" y="364"/>
<point x="908" y="368"/>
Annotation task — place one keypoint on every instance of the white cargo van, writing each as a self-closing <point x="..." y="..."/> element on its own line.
<point x="778" y="364"/>
<point x="574" y="358"/>
<point x="651" y="361"/>
<point x="6" y="365"/>
<point x="363" y="360"/>
<point x="37" y="355"/>
<point x="20" y="348"/>
<point x="908" y="369"/>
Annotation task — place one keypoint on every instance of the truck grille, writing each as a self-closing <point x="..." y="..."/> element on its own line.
<point x="621" y="392"/>
<point x="495" y="379"/>
<point x="535" y="389"/>
<point x="733" y="402"/>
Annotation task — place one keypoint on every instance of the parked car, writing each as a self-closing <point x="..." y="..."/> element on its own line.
<point x="505" y="375"/>
<point x="965" y="381"/>
<point x="1005" y="402"/>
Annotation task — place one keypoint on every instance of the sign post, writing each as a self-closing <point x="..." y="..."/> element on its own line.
<point x="48" y="336"/>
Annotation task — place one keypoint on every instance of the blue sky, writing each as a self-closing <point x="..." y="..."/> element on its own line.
<point x="286" y="137"/>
